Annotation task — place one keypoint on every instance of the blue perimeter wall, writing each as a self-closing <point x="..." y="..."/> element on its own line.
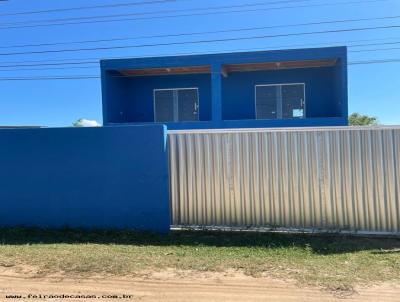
<point x="105" y="177"/>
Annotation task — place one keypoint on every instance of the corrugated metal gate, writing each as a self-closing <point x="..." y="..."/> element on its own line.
<point x="342" y="179"/>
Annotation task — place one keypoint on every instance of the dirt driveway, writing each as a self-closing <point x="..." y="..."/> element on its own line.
<point x="173" y="286"/>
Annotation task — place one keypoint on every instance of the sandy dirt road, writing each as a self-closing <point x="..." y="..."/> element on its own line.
<point x="172" y="287"/>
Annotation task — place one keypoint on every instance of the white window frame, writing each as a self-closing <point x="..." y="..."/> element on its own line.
<point x="280" y="84"/>
<point x="177" y="106"/>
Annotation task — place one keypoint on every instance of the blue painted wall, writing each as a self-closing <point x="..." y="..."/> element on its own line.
<point x="238" y="91"/>
<point x="109" y="177"/>
<point x="240" y="124"/>
<point x="228" y="102"/>
<point x="115" y="97"/>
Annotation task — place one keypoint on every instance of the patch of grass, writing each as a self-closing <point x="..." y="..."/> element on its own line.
<point x="327" y="260"/>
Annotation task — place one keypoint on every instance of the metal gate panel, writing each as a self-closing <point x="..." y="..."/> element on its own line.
<point x="339" y="179"/>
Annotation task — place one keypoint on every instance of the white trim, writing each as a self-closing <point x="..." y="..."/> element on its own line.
<point x="185" y="88"/>
<point x="280" y="84"/>
<point x="175" y="89"/>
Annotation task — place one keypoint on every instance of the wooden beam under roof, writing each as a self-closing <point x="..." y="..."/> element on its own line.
<point x="227" y="68"/>
<point x="278" y="65"/>
<point x="166" y="71"/>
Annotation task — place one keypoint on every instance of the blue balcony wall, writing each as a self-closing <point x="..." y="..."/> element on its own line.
<point x="340" y="84"/>
<point x="134" y="101"/>
<point x="238" y="91"/>
<point x="140" y="101"/>
<point x="115" y="97"/>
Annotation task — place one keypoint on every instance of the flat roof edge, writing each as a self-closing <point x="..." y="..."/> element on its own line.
<point x="332" y="51"/>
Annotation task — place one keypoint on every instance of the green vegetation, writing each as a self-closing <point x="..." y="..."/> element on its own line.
<point x="85" y="123"/>
<point x="328" y="260"/>
<point x="356" y="119"/>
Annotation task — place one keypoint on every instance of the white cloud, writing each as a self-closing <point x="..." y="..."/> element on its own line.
<point x="86" y="123"/>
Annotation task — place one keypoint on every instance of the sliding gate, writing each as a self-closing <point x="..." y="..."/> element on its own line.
<point x="338" y="179"/>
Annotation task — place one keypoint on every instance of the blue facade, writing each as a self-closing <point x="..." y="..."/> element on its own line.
<point x="226" y="87"/>
<point x="85" y="177"/>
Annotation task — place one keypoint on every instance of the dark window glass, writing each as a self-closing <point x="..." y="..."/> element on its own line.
<point x="164" y="105"/>
<point x="188" y="105"/>
<point x="266" y="105"/>
<point x="174" y="105"/>
<point x="292" y="101"/>
<point x="280" y="101"/>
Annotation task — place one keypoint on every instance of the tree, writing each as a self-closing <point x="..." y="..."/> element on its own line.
<point x="85" y="123"/>
<point x="357" y="119"/>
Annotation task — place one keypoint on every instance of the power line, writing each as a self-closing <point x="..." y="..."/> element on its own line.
<point x="377" y="49"/>
<point x="78" y="77"/>
<point x="366" y="62"/>
<point x="157" y="12"/>
<point x="52" y="64"/>
<point x="193" y="14"/>
<point x="206" y="32"/>
<point x="97" y="63"/>
<point x="372" y="44"/>
<point x="87" y="7"/>
<point x="202" y="41"/>
<point x="190" y="53"/>
<point x="96" y="60"/>
<point x="81" y="77"/>
<point x="52" y="68"/>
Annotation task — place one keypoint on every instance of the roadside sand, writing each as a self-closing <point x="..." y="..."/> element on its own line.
<point x="182" y="286"/>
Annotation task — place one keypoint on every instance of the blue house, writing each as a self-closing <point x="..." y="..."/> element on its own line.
<point x="286" y="88"/>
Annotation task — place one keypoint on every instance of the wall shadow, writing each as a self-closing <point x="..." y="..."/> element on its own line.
<point x="323" y="244"/>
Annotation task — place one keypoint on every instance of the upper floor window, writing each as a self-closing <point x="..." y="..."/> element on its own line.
<point x="280" y="101"/>
<point x="176" y="105"/>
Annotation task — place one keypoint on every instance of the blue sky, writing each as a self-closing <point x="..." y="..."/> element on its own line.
<point x="373" y="88"/>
